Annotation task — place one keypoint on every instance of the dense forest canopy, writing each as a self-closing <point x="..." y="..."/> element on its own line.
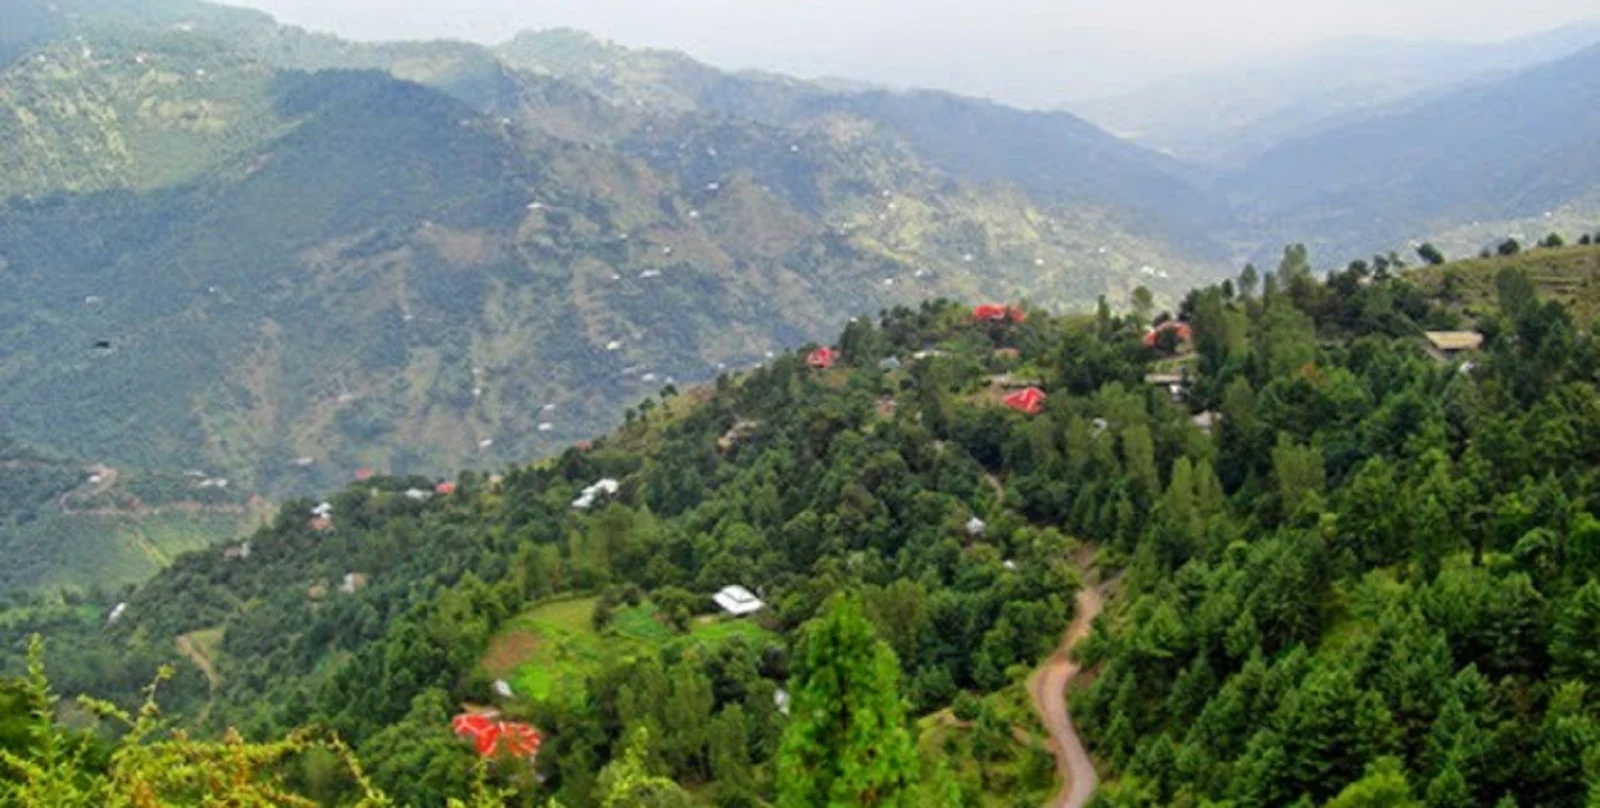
<point x="1346" y="569"/>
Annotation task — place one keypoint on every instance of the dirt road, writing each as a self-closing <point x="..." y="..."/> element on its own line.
<point x="1048" y="686"/>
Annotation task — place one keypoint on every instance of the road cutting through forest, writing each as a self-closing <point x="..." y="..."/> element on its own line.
<point x="1048" y="686"/>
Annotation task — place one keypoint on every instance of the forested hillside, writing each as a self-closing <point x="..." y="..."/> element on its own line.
<point x="215" y="259"/>
<point x="1346" y="569"/>
<point x="83" y="526"/>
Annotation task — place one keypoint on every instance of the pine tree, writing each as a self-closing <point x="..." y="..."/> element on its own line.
<point x="1384" y="786"/>
<point x="627" y="783"/>
<point x="847" y="743"/>
<point x="730" y="752"/>
<point x="1575" y="640"/>
<point x="1430" y="254"/>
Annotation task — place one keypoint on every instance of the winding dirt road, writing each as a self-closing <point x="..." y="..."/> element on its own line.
<point x="1048" y="686"/>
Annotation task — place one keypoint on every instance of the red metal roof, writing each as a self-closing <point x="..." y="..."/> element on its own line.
<point x="1179" y="326"/>
<point x="364" y="473"/>
<point x="822" y="358"/>
<point x="998" y="312"/>
<point x="1029" y="400"/>
<point x="445" y="488"/>
<point x="491" y="735"/>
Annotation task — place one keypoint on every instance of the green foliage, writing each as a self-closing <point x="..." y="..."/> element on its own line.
<point x="1384" y="786"/>
<point x="847" y="743"/>
<point x="1430" y="254"/>
<point x="148" y="766"/>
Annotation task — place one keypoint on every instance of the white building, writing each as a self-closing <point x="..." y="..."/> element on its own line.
<point x="736" y="600"/>
<point x="587" y="497"/>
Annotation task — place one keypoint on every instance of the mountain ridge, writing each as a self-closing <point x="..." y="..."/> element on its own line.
<point x="373" y="272"/>
<point x="1246" y="108"/>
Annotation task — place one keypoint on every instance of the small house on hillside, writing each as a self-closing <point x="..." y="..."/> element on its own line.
<point x="1028" y="402"/>
<point x="822" y="358"/>
<point x="1174" y="382"/>
<point x="587" y="497"/>
<point x="493" y="737"/>
<point x="1179" y="331"/>
<point x="1011" y="381"/>
<point x="740" y="430"/>
<point x="737" y="601"/>
<point x="1447" y="345"/>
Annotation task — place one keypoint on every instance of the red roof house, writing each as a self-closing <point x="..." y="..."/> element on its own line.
<point x="989" y="311"/>
<point x="1029" y="401"/>
<point x="364" y="473"/>
<point x="999" y="313"/>
<point x="822" y="358"/>
<point x="492" y="736"/>
<point x="1178" y="326"/>
<point x="445" y="488"/>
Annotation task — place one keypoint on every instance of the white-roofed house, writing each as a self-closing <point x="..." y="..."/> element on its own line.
<point x="738" y="601"/>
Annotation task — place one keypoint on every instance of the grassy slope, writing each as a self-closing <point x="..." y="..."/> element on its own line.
<point x="1569" y="275"/>
<point x="549" y="651"/>
<point x="77" y="551"/>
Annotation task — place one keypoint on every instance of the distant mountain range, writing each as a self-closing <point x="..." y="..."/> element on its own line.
<point x="1505" y="149"/>
<point x="1233" y="114"/>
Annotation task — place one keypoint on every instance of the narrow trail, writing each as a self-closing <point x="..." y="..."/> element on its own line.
<point x="1048" y="686"/>
<point x="198" y="650"/>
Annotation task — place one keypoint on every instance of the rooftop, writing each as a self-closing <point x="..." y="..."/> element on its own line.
<point x="1455" y="340"/>
<point x="737" y="600"/>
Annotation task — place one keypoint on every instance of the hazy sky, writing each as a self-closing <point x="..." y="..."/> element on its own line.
<point x="1037" y="52"/>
